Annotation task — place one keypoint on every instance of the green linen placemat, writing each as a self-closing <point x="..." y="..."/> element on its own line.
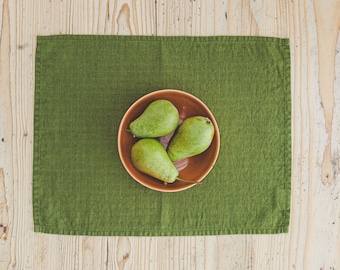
<point x="85" y="83"/>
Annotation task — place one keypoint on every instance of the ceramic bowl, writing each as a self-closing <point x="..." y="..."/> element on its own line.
<point x="196" y="168"/>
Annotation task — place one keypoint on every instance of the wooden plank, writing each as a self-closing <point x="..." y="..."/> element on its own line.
<point x="7" y="159"/>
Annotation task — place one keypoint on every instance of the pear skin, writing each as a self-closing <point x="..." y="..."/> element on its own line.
<point x="160" y="118"/>
<point x="192" y="137"/>
<point x="149" y="156"/>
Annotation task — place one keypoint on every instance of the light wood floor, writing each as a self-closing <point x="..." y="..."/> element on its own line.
<point x="313" y="28"/>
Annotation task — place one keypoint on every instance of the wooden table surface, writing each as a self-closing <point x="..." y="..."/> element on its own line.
<point x="313" y="241"/>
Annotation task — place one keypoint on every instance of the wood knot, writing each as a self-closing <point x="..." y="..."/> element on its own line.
<point x="3" y="232"/>
<point x="126" y="256"/>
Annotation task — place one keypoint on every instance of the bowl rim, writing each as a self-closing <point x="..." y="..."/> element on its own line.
<point x="145" y="97"/>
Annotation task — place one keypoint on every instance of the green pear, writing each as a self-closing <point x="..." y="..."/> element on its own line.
<point x="192" y="137"/>
<point x="149" y="156"/>
<point x="160" y="118"/>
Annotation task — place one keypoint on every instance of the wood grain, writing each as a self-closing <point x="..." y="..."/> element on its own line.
<point x="327" y="16"/>
<point x="313" y="241"/>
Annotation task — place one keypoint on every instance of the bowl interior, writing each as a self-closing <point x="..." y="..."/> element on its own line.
<point x="198" y="166"/>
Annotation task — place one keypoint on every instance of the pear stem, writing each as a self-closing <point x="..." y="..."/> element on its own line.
<point x="189" y="181"/>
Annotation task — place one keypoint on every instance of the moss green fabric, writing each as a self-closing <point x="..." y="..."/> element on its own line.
<point x="85" y="83"/>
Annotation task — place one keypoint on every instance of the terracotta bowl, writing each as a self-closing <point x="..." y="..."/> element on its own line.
<point x="197" y="167"/>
